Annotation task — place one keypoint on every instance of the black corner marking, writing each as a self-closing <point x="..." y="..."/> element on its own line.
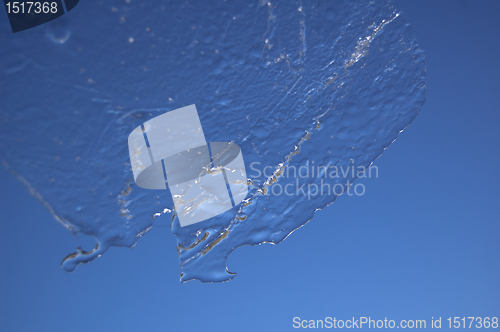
<point x="70" y="4"/>
<point x="25" y="15"/>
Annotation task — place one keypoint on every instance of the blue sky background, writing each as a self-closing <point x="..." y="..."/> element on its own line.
<point x="422" y="242"/>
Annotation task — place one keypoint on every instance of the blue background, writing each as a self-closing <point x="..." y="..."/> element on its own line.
<point x="421" y="243"/>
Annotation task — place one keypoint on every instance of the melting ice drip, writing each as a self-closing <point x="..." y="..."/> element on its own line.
<point x="198" y="180"/>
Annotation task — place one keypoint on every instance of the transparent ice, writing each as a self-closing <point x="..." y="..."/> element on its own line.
<point x="290" y="82"/>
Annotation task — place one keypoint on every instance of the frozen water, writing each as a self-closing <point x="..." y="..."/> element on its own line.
<point x="292" y="83"/>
